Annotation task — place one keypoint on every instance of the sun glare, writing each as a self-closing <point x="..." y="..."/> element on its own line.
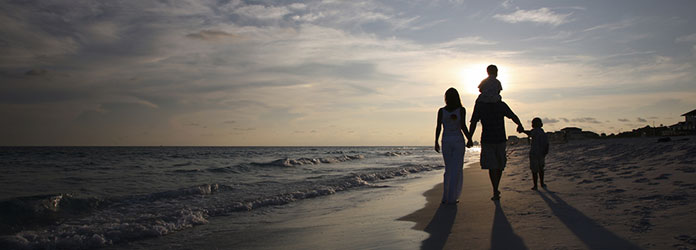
<point x="470" y="77"/>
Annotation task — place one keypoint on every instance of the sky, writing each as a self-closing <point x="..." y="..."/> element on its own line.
<point x="318" y="73"/>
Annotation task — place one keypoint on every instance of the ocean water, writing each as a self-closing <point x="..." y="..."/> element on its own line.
<point x="90" y="197"/>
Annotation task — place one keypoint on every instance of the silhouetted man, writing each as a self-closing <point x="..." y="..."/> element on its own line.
<point x="493" y="138"/>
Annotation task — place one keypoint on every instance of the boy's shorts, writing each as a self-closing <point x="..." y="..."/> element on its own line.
<point x="536" y="163"/>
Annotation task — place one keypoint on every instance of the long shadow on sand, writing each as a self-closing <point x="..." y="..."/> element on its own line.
<point x="440" y="227"/>
<point x="502" y="235"/>
<point x="592" y="234"/>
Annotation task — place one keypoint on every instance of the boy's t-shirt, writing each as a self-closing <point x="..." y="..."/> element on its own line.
<point x="490" y="87"/>
<point x="540" y="142"/>
<point x="490" y="90"/>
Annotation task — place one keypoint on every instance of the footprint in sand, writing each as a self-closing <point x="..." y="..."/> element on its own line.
<point x="607" y="179"/>
<point x="625" y="173"/>
<point x="639" y="174"/>
<point x="616" y="191"/>
<point x="585" y="182"/>
<point x="641" y="226"/>
<point x="642" y="180"/>
<point x="687" y="169"/>
<point x="687" y="162"/>
<point x="663" y="177"/>
<point x="685" y="239"/>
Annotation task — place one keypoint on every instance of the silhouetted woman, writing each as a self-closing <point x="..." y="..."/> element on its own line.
<point x="452" y="117"/>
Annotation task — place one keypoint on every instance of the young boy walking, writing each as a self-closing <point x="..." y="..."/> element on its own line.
<point x="537" y="154"/>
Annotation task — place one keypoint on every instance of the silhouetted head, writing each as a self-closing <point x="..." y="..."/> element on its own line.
<point x="452" y="98"/>
<point x="492" y="70"/>
<point x="536" y="123"/>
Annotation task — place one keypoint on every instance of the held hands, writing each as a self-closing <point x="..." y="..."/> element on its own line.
<point x="469" y="144"/>
<point x="520" y="129"/>
<point x="437" y="147"/>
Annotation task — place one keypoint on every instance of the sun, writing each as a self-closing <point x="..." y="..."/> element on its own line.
<point x="470" y="77"/>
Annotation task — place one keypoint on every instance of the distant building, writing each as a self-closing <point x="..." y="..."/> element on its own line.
<point x="688" y="126"/>
<point x="571" y="130"/>
<point x="650" y="131"/>
<point x="556" y="137"/>
<point x="565" y="135"/>
<point x="572" y="133"/>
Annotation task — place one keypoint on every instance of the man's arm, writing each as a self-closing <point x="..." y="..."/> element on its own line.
<point x="475" y="117"/>
<point x="514" y="118"/>
<point x="463" y="123"/>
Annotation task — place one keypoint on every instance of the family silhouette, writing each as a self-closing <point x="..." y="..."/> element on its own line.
<point x="490" y="110"/>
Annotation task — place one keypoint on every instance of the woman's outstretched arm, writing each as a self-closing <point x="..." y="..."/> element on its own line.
<point x="438" y="129"/>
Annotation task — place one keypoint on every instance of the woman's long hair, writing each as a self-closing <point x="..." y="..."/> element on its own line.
<point x="452" y="100"/>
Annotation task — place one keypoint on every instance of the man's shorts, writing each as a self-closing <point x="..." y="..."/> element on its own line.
<point x="493" y="156"/>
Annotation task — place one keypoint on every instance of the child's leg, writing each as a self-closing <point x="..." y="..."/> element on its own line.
<point x="541" y="171"/>
<point x="534" y="177"/>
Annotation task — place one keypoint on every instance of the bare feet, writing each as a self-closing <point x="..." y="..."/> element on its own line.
<point x="496" y="195"/>
<point x="534" y="188"/>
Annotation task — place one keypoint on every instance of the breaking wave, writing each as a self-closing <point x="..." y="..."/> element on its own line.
<point x="64" y="222"/>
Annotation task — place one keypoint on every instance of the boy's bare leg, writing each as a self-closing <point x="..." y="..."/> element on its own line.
<point x="541" y="178"/>
<point x="534" y="177"/>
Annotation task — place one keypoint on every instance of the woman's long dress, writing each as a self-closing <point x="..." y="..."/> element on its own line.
<point x="453" y="147"/>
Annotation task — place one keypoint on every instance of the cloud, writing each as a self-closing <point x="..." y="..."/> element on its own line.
<point x="586" y="120"/>
<point x="543" y="16"/>
<point x="211" y="35"/>
<point x="687" y="38"/>
<point x="36" y="72"/>
<point x="465" y="41"/>
<point x="549" y="120"/>
<point x="613" y="26"/>
<point x="641" y="120"/>
<point x="262" y="12"/>
<point x="244" y="129"/>
<point x="229" y="122"/>
<point x="564" y="119"/>
<point x="623" y="120"/>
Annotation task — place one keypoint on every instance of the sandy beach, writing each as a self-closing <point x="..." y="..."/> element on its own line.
<point x="602" y="194"/>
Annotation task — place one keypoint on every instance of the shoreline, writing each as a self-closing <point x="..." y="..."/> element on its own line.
<point x="362" y="219"/>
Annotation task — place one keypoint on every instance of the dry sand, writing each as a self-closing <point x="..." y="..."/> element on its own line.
<point x="602" y="194"/>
